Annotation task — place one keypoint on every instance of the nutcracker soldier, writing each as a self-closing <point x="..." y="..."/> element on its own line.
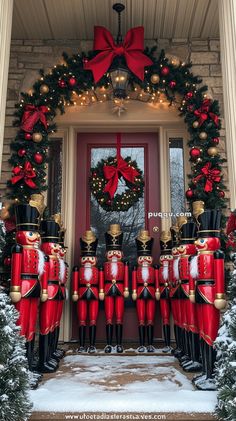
<point x="85" y="286"/>
<point x="207" y="289"/>
<point x="63" y="278"/>
<point x="165" y="258"/>
<point x="174" y="290"/>
<point x="28" y="281"/>
<point x="48" y="361"/>
<point x="145" y="289"/>
<point x="116" y="283"/>
<point x="187" y="249"/>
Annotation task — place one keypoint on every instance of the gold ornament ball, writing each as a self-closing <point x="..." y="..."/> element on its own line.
<point x="155" y="78"/>
<point x="195" y="124"/>
<point x="203" y="135"/>
<point x="37" y="137"/>
<point x="175" y="61"/>
<point x="213" y="151"/>
<point x="44" y="89"/>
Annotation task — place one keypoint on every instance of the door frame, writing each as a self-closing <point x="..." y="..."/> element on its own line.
<point x="69" y="133"/>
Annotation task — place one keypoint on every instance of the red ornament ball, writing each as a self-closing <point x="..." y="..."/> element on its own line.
<point x="62" y="83"/>
<point x="28" y="136"/>
<point x="190" y="108"/>
<point x="195" y="153"/>
<point x="189" y="194"/>
<point x="72" y="82"/>
<point x="189" y="95"/>
<point x="38" y="157"/>
<point x="165" y="71"/>
<point x="172" y="84"/>
<point x="21" y="152"/>
<point x="221" y="194"/>
<point x="215" y="141"/>
<point x="85" y="60"/>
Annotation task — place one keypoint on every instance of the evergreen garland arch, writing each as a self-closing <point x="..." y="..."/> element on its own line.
<point x="55" y="90"/>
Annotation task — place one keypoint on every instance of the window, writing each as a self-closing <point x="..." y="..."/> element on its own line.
<point x="54" y="176"/>
<point x="176" y="159"/>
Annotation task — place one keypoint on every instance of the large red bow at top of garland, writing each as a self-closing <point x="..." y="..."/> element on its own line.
<point x="111" y="174"/>
<point x="32" y="115"/>
<point x="131" y="49"/>
<point x="26" y="173"/>
<point x="204" y="112"/>
<point x="212" y="176"/>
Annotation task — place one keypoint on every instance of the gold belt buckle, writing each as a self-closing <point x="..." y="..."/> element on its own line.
<point x="113" y="281"/>
<point x="88" y="285"/>
<point x="145" y="284"/>
<point x="166" y="284"/>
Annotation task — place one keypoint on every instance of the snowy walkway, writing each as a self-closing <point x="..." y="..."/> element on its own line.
<point x="119" y="384"/>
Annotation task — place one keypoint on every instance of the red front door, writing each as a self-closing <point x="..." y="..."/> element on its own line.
<point x="91" y="148"/>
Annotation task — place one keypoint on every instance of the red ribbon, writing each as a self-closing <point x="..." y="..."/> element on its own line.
<point x="203" y="113"/>
<point x="32" y="115"/>
<point x="212" y="175"/>
<point x="131" y="49"/>
<point x="112" y="173"/>
<point x="26" y="173"/>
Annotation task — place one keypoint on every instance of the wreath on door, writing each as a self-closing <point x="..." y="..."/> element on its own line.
<point x="105" y="177"/>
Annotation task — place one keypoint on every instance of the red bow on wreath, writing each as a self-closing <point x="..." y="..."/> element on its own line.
<point x="212" y="175"/>
<point x="204" y="112"/>
<point x="26" y="173"/>
<point x="111" y="174"/>
<point x="131" y="49"/>
<point x="32" y="115"/>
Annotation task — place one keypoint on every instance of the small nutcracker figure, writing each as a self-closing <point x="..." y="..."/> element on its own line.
<point x="27" y="270"/>
<point x="187" y="249"/>
<point x="116" y="280"/>
<point x="207" y="273"/>
<point x="165" y="258"/>
<point x="48" y="310"/>
<point x="86" y="283"/>
<point x="145" y="289"/>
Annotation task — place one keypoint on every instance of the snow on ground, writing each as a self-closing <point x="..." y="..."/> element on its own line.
<point x="120" y="384"/>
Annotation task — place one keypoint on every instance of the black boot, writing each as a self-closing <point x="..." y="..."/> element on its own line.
<point x="51" y="359"/>
<point x="92" y="338"/>
<point x="194" y="365"/>
<point x="202" y="357"/>
<point x="166" y="332"/>
<point x="43" y="366"/>
<point x="178" y="352"/>
<point x="119" y="331"/>
<point x="141" y="347"/>
<point x="82" y="335"/>
<point x="109" y="333"/>
<point x="186" y="348"/>
<point x="150" y="347"/>
<point x="208" y="382"/>
<point x="59" y="353"/>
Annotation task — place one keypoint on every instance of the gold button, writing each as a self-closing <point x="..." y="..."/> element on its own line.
<point x="113" y="281"/>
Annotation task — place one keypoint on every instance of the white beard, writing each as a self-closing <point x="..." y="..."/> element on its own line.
<point x="145" y="273"/>
<point x="114" y="266"/>
<point x="88" y="273"/>
<point x="165" y="271"/>
<point x="41" y="262"/>
<point x="62" y="270"/>
<point x="194" y="267"/>
<point x="176" y="268"/>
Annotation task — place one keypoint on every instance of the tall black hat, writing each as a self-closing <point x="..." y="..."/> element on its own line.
<point x="209" y="223"/>
<point x="27" y="218"/>
<point x="88" y="244"/>
<point x="62" y="238"/>
<point x="188" y="233"/>
<point x="50" y="231"/>
<point x="114" y="238"/>
<point x="166" y="242"/>
<point x="144" y="244"/>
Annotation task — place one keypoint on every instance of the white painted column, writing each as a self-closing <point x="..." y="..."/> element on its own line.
<point x="6" y="9"/>
<point x="227" y="20"/>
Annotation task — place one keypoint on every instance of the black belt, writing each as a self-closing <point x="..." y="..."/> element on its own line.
<point x="205" y="282"/>
<point x="184" y="281"/>
<point x="29" y="276"/>
<point x="86" y="286"/>
<point x="53" y="282"/>
<point x="148" y="285"/>
<point x="117" y="282"/>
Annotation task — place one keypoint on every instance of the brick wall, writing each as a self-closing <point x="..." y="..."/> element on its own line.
<point x="27" y="56"/>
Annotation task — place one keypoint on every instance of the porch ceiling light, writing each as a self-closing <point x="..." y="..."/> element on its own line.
<point x="119" y="72"/>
